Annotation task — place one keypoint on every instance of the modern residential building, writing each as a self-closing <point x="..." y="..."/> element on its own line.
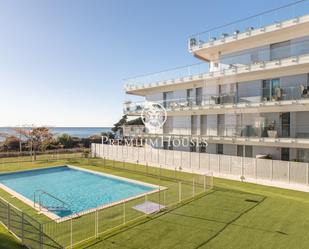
<point x="249" y="96"/>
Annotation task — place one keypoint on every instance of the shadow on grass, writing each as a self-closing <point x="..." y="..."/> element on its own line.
<point x="195" y="210"/>
<point x="7" y="241"/>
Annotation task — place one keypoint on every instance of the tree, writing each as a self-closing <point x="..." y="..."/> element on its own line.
<point x="38" y="138"/>
<point x="67" y="141"/>
<point x="118" y="126"/>
<point x="11" y="143"/>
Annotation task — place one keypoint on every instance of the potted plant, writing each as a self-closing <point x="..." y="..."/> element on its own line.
<point x="271" y="132"/>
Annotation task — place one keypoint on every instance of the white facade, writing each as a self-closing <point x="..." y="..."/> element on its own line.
<point x="243" y="106"/>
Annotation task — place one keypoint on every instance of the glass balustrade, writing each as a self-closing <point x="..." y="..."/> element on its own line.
<point x="234" y="63"/>
<point x="250" y="24"/>
<point x="266" y="130"/>
<point x="267" y="96"/>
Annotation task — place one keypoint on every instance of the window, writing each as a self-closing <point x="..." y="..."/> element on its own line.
<point x="190" y="96"/>
<point x="280" y="50"/>
<point x="285" y="124"/>
<point x="303" y="155"/>
<point x="203" y="124"/>
<point x="203" y="148"/>
<point x="198" y="95"/>
<point x="194" y="125"/>
<point x="192" y="146"/>
<point x="165" y="145"/>
<point x="220" y="149"/>
<point x="270" y="91"/>
<point x="248" y="151"/>
<point x="240" y="150"/>
<point x="168" y="126"/>
<point x="285" y="154"/>
<point x="221" y="124"/>
<point x="167" y="97"/>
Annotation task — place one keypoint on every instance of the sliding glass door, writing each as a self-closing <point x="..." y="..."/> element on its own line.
<point x="269" y="89"/>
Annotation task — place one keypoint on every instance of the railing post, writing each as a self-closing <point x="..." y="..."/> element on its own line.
<point x="209" y="162"/>
<point x="146" y="202"/>
<point x="164" y="196"/>
<point x="271" y="170"/>
<point x="41" y="236"/>
<point x="307" y="174"/>
<point x="9" y="217"/>
<point x="289" y="166"/>
<point x="179" y="192"/>
<point x="96" y="224"/>
<point x="193" y="187"/>
<point x="124" y="212"/>
<point x="22" y="228"/>
<point x="181" y="159"/>
<point x="204" y="182"/>
<point x="230" y="164"/>
<point x="71" y="233"/>
<point x="255" y="168"/>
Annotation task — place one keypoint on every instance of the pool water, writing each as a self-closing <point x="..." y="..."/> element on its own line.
<point x="80" y="190"/>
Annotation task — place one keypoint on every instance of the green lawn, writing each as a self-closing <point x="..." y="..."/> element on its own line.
<point x="8" y="241"/>
<point x="232" y="215"/>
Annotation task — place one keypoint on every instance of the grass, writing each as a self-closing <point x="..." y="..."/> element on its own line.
<point x="232" y="215"/>
<point x="8" y="241"/>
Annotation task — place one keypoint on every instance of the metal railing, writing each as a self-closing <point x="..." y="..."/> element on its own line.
<point x="26" y="229"/>
<point x="40" y="201"/>
<point x="10" y="157"/>
<point x="249" y="24"/>
<point x="172" y="187"/>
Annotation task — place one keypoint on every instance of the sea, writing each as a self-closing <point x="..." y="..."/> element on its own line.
<point x="81" y="132"/>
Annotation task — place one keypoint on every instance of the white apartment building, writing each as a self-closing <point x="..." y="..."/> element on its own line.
<point x="249" y="96"/>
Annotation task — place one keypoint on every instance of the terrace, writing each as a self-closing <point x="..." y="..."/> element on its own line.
<point x="289" y="21"/>
<point x="293" y="56"/>
<point x="264" y="99"/>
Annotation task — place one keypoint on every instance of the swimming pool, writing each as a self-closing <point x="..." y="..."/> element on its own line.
<point x="67" y="190"/>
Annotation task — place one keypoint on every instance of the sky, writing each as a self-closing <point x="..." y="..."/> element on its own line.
<point x="62" y="62"/>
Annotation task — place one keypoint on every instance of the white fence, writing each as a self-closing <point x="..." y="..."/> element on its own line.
<point x="253" y="169"/>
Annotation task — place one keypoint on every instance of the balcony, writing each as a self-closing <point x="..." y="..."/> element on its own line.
<point x="270" y="99"/>
<point x="251" y="134"/>
<point x="179" y="74"/>
<point x="288" y="22"/>
<point x="248" y="65"/>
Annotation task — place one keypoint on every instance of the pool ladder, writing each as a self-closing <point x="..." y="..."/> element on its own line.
<point x="38" y="195"/>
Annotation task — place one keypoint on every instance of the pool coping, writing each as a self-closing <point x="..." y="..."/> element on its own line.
<point x="59" y="219"/>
